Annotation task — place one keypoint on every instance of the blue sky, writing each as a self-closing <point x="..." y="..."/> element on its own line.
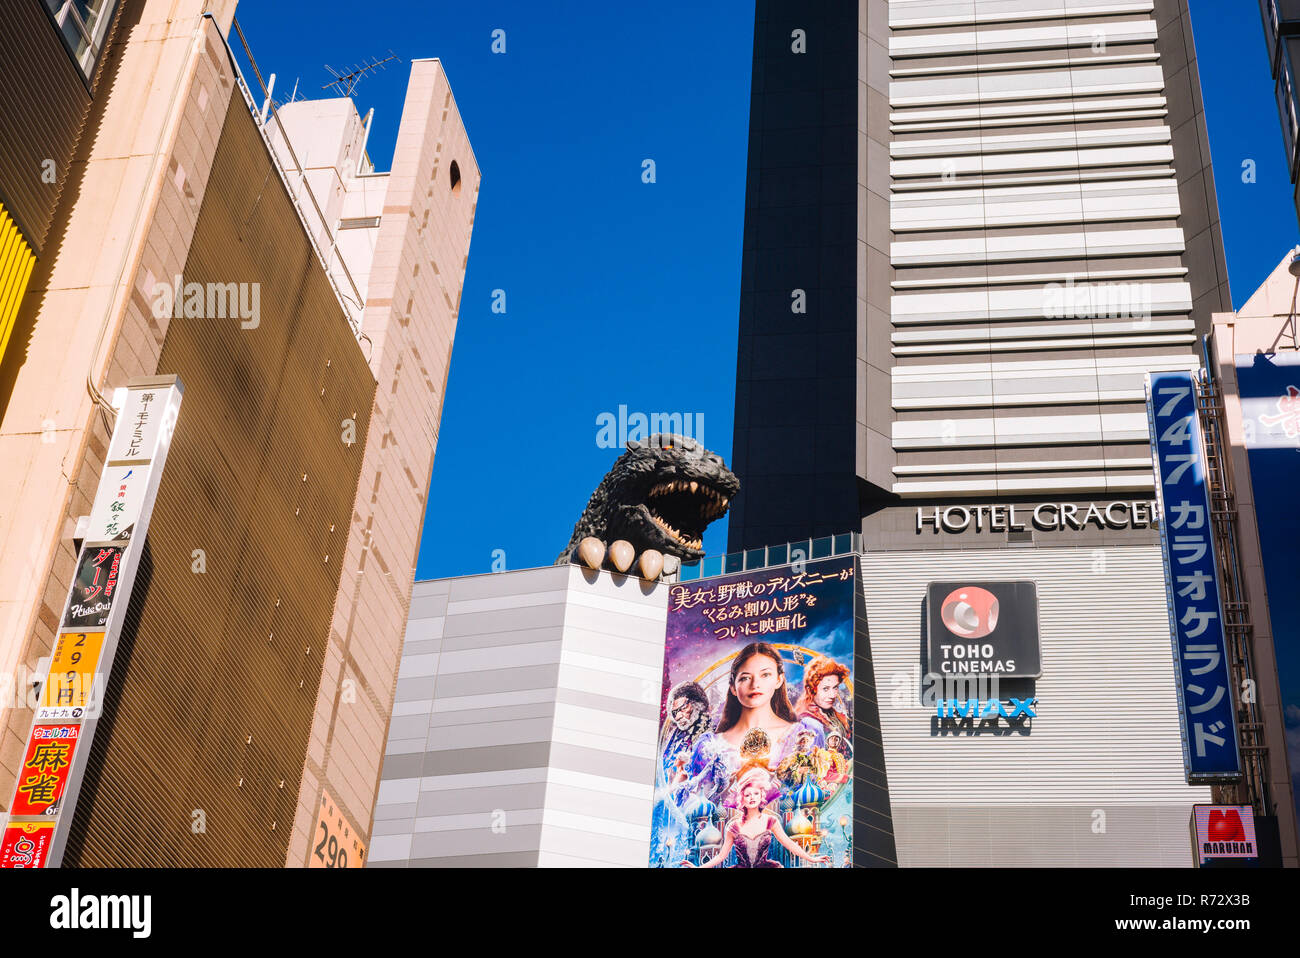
<point x="618" y="292"/>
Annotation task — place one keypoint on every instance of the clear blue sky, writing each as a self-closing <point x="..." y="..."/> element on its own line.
<point x="619" y="292"/>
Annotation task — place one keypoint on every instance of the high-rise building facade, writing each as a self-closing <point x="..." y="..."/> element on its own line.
<point x="971" y="228"/>
<point x="1282" y="35"/>
<point x="249" y="699"/>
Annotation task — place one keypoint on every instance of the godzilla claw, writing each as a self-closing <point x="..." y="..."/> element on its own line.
<point x="591" y="552"/>
<point x="651" y="564"/>
<point x="621" y="555"/>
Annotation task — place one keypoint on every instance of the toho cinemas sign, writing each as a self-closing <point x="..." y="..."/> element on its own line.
<point x="1044" y="516"/>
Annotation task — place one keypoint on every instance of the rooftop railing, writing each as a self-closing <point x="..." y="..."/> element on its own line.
<point x="845" y="543"/>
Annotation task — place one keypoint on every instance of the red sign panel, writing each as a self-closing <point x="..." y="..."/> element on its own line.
<point x="26" y="846"/>
<point x="1224" y="831"/>
<point x="44" y="772"/>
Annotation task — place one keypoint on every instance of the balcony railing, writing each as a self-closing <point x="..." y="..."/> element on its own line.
<point x="845" y="543"/>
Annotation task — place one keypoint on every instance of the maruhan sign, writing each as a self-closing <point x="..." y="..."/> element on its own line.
<point x="1048" y="516"/>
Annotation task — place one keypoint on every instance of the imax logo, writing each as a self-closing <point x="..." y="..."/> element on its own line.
<point x="976" y="709"/>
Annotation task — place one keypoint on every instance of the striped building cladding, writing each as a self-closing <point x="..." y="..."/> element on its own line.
<point x="1040" y="247"/>
<point x="525" y="722"/>
<point x="527" y="717"/>
<point x="1036" y="228"/>
<point x="1098" y="778"/>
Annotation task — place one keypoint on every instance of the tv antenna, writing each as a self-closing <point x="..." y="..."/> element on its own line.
<point x="346" y="82"/>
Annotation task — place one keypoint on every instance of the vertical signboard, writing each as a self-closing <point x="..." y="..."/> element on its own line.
<point x="1205" y="694"/>
<point x="755" y="756"/>
<point x="58" y="744"/>
<point x="1270" y="411"/>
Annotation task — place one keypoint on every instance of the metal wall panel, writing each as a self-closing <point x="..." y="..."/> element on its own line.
<point x="522" y="734"/>
<point x="1031" y="184"/>
<point x="41" y="115"/>
<point x="1015" y="124"/>
<point x="210" y="702"/>
<point x="1107" y="733"/>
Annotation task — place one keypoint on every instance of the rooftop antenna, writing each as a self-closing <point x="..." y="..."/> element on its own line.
<point x="293" y="97"/>
<point x="345" y="82"/>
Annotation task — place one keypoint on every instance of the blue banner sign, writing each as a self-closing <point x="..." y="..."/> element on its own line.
<point x="1205" y="695"/>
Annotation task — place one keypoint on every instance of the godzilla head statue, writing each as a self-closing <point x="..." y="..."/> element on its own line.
<point x="661" y="495"/>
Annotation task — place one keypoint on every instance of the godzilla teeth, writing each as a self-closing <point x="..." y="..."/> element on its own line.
<point x="689" y="543"/>
<point x="714" y="505"/>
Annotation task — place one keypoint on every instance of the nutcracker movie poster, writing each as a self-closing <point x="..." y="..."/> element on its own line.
<point x="754" y="762"/>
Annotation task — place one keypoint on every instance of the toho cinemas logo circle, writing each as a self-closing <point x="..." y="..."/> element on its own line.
<point x="970" y="612"/>
<point x="983" y="628"/>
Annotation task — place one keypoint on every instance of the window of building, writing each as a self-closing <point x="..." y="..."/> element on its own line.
<point x="84" y="24"/>
<point x="359" y="223"/>
<point x="455" y="177"/>
<point x="1287" y="102"/>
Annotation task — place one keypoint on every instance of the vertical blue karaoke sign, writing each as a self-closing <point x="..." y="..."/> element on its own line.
<point x="1205" y="699"/>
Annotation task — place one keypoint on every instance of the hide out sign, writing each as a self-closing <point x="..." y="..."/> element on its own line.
<point x="978" y="628"/>
<point x="94" y="588"/>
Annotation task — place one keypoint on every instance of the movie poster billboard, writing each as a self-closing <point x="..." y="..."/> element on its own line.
<point x="755" y="755"/>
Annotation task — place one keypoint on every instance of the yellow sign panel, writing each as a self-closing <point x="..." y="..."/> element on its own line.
<point x="16" y="264"/>
<point x="336" y="843"/>
<point x="72" y="669"/>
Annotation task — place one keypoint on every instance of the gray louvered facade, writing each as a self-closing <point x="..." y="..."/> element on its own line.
<point x="971" y="227"/>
